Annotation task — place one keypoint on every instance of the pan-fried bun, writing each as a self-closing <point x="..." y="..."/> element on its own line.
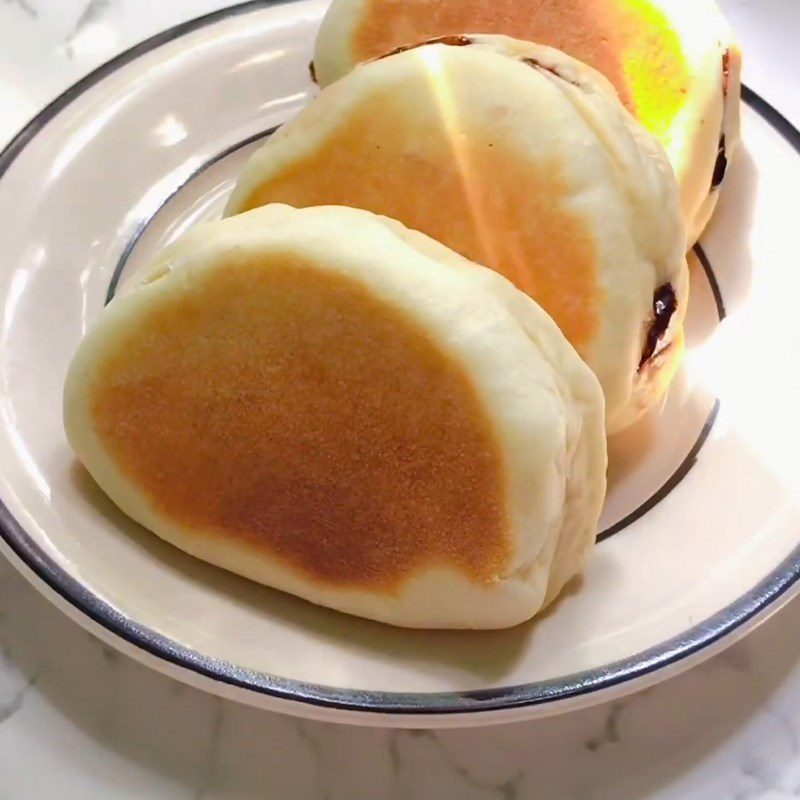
<point x="519" y="158"/>
<point x="674" y="64"/>
<point x="330" y="404"/>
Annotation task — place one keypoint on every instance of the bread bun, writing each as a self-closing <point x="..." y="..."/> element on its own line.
<point x="520" y="158"/>
<point x="674" y="63"/>
<point x="330" y="404"/>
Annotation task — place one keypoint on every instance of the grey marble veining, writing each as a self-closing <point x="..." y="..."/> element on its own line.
<point x="25" y="6"/>
<point x="92" y="13"/>
<point x="727" y="729"/>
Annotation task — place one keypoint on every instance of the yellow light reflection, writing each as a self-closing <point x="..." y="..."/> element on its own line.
<point x="447" y="105"/>
<point x="655" y="65"/>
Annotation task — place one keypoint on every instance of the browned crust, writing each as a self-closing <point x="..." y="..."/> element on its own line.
<point x="589" y="30"/>
<point x="483" y="201"/>
<point x="289" y="410"/>
<point x="631" y="43"/>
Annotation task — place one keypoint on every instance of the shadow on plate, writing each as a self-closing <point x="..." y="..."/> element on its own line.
<point x="666" y="434"/>
<point x="726" y="240"/>
<point x="488" y="655"/>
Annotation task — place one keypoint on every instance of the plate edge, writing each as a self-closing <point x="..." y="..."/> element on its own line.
<point x="751" y="608"/>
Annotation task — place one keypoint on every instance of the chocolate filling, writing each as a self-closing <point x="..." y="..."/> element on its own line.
<point x="664" y="306"/>
<point x="726" y="72"/>
<point x="457" y="40"/>
<point x="532" y="62"/>
<point x="453" y="40"/>
<point x="312" y="71"/>
<point x="721" y="165"/>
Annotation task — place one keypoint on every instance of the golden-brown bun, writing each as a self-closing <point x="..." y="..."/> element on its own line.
<point x="335" y="406"/>
<point x="674" y="63"/>
<point x="519" y="158"/>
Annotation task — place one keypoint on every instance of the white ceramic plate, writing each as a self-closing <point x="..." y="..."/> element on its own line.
<point x="701" y="530"/>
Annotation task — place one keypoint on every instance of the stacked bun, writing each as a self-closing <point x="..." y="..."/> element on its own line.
<point x="333" y="405"/>
<point x="674" y="63"/>
<point x="517" y="157"/>
<point x="383" y="382"/>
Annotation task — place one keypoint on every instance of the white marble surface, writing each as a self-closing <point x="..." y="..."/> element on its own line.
<point x="78" y="720"/>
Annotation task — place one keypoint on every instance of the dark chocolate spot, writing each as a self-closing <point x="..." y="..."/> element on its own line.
<point x="726" y="72"/>
<point x="532" y="62"/>
<point x="452" y="40"/>
<point x="312" y="71"/>
<point x="721" y="165"/>
<point x="664" y="306"/>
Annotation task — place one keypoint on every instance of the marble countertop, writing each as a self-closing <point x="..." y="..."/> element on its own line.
<point x="79" y="720"/>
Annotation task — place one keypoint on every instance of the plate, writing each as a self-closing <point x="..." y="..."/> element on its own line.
<point x="700" y="534"/>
